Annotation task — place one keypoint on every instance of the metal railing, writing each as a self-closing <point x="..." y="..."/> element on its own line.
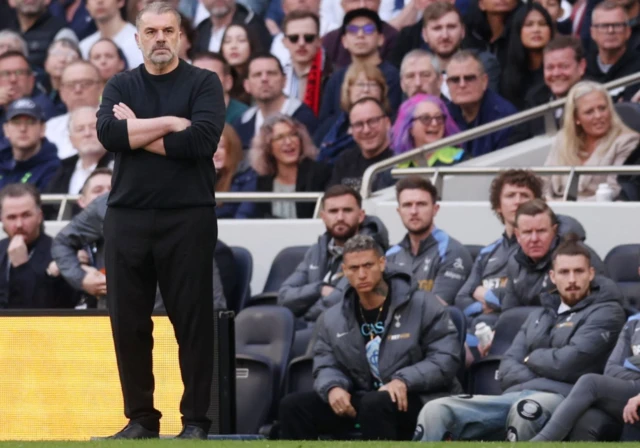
<point x="570" y="192"/>
<point x="546" y="110"/>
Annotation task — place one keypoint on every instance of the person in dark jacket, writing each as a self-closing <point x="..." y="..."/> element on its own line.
<point x="570" y="336"/>
<point x="438" y="263"/>
<point x="29" y="158"/>
<point x="473" y="104"/>
<point x="616" y="392"/>
<point x="31" y="279"/>
<point x="307" y="291"/>
<point x="283" y="156"/>
<point x="380" y="352"/>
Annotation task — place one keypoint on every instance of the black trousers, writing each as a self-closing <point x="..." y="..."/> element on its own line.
<point x="174" y="249"/>
<point x="305" y="416"/>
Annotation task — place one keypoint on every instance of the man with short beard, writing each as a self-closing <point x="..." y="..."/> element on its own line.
<point x="439" y="263"/>
<point x="316" y="277"/>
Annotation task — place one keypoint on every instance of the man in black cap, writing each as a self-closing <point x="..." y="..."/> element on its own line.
<point x="362" y="36"/>
<point x="163" y="120"/>
<point x="26" y="156"/>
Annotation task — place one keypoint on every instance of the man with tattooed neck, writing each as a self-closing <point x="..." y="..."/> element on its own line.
<point x="381" y="352"/>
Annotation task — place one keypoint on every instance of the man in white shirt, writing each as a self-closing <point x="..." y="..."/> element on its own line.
<point x="106" y="14"/>
<point x="80" y="85"/>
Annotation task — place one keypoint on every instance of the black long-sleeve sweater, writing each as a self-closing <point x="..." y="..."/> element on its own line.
<point x="185" y="177"/>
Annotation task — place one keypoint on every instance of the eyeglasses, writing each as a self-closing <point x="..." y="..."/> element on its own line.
<point x="370" y="85"/>
<point x="426" y="119"/>
<point x="367" y="29"/>
<point x="616" y="27"/>
<point x="468" y="79"/>
<point x="83" y="84"/>
<point x="282" y="137"/>
<point x="308" y="38"/>
<point x="20" y="73"/>
<point x="358" y="126"/>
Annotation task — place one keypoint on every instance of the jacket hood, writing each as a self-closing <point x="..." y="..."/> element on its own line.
<point x="48" y="152"/>
<point x="568" y="224"/>
<point x="603" y="290"/>
<point x="375" y="228"/>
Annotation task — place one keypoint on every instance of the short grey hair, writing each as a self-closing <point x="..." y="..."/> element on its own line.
<point x="420" y="53"/>
<point x="361" y="243"/>
<point x="65" y="43"/>
<point x="9" y="34"/>
<point x="75" y="112"/>
<point x="465" y="55"/>
<point x="158" y="7"/>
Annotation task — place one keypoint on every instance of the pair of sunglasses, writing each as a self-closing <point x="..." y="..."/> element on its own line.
<point x="308" y="38"/>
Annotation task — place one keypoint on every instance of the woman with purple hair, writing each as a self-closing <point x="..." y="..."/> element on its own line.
<point x="424" y="119"/>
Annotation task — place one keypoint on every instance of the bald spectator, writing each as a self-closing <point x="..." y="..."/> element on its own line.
<point x="333" y="42"/>
<point x="13" y="41"/>
<point x="420" y="73"/>
<point x="61" y="53"/>
<point x="80" y="85"/>
<point x="108" y="58"/>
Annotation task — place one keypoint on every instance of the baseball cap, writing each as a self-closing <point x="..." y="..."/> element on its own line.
<point x="24" y="106"/>
<point x="361" y="12"/>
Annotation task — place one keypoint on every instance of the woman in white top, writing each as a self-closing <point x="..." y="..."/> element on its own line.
<point x="592" y="135"/>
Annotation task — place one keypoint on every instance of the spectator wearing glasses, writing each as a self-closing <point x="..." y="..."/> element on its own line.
<point x="360" y="81"/>
<point x="424" y="119"/>
<point x="283" y="156"/>
<point x="472" y="104"/>
<point x="370" y="126"/>
<point x="361" y="36"/>
<point x="108" y="58"/>
<point x="420" y="73"/>
<point x="80" y="85"/>
<point x="614" y="59"/>
<point x="308" y="68"/>
<point x="239" y="43"/>
<point x="61" y="53"/>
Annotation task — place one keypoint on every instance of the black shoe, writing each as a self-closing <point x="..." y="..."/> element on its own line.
<point x="132" y="431"/>
<point x="192" y="432"/>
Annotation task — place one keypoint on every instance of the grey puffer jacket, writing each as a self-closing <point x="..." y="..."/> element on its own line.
<point x="301" y="291"/>
<point x="559" y="348"/>
<point x="420" y="345"/>
<point x="624" y="362"/>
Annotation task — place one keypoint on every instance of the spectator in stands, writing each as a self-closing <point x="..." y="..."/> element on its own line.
<point x="442" y="31"/>
<point x="217" y="64"/>
<point x="278" y="47"/>
<point x="38" y="28"/>
<point x="188" y="39"/>
<point x="425" y="119"/>
<point x="572" y="335"/>
<point x="90" y="154"/>
<point x="334" y="42"/>
<point x="230" y="174"/>
<point x="12" y="41"/>
<point x="532" y="30"/>
<point x="32" y="279"/>
<point x="97" y="184"/>
<point x="80" y="86"/>
<point x="592" y="135"/>
<point x="307" y="291"/>
<point x="106" y="14"/>
<point x="29" y="157"/>
<point x="370" y="125"/>
<point x="308" y="68"/>
<point x="75" y="14"/>
<point x="563" y="67"/>
<point x="361" y="36"/>
<point x="108" y="58"/>
<point x="264" y="83"/>
<point x="224" y="13"/>
<point x="61" y="53"/>
<point x="474" y="105"/>
<point x="420" y="73"/>
<point x="239" y="42"/>
<point x="615" y="58"/>
<point x="439" y="263"/>
<point x="360" y="81"/>
<point x="556" y="11"/>
<point x="283" y="156"/>
<point x="384" y="393"/>
<point x="17" y="81"/>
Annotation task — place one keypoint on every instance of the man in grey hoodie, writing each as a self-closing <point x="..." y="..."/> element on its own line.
<point x="570" y="336"/>
<point x="380" y="352"/>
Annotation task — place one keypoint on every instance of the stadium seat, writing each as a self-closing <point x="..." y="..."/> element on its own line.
<point x="300" y="375"/>
<point x="255" y="377"/>
<point x="244" y="269"/>
<point x="461" y="324"/>
<point x="622" y="263"/>
<point x="282" y="267"/>
<point x="474" y="250"/>
<point x="630" y="114"/>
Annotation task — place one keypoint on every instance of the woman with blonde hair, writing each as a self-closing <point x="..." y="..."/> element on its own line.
<point x="592" y="135"/>
<point x="283" y="157"/>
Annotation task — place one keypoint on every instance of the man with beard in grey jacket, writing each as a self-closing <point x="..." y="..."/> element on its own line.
<point x="380" y="352"/>
<point x="570" y="336"/>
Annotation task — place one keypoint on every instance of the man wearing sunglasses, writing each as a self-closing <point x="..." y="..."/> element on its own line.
<point x="473" y="104"/>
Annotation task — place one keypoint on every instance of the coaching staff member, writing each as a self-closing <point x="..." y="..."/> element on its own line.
<point x="163" y="120"/>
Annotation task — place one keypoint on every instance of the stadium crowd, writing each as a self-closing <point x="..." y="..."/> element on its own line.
<point x="315" y="94"/>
